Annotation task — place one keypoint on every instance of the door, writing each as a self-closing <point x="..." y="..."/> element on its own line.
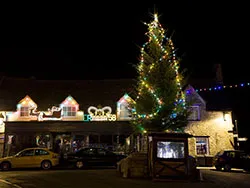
<point x="105" y="157"/>
<point x="243" y="161"/>
<point x="234" y="159"/>
<point x="88" y="156"/>
<point x="40" y="155"/>
<point x="23" y="159"/>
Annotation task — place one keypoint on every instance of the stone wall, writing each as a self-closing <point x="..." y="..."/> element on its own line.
<point x="215" y="125"/>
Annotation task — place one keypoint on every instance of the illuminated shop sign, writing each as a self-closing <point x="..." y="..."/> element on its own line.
<point x="99" y="114"/>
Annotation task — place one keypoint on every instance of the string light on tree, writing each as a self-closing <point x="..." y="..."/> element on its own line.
<point x="159" y="80"/>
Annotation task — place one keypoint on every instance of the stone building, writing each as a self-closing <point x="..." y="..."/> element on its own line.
<point x="212" y="130"/>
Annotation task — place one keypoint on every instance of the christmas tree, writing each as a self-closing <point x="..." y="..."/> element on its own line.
<point x="160" y="104"/>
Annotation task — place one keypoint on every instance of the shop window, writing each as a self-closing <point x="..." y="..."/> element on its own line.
<point x="194" y="113"/>
<point x="69" y="111"/>
<point x="43" y="140"/>
<point x="202" y="146"/>
<point x="78" y="142"/>
<point x="24" y="111"/>
<point x="11" y="139"/>
<point x="119" y="139"/>
<point x="106" y="139"/>
<point x="93" y="139"/>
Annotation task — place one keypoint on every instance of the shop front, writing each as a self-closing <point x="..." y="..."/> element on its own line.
<point x="63" y="137"/>
<point x="63" y="128"/>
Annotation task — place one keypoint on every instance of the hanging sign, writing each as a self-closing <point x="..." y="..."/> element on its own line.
<point x="99" y="114"/>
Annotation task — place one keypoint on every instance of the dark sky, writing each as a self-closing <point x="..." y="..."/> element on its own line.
<point x="99" y="40"/>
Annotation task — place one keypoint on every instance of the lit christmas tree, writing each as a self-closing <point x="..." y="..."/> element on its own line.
<point x="160" y="104"/>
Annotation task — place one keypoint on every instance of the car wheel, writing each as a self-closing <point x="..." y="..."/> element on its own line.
<point x="79" y="164"/>
<point x="46" y="165"/>
<point x="5" y="166"/>
<point x="227" y="168"/>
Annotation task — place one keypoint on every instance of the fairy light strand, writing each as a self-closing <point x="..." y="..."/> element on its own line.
<point x="219" y="88"/>
<point x="152" y="34"/>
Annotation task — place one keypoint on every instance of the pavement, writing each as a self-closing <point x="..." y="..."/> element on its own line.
<point x="91" y="178"/>
<point x="96" y="178"/>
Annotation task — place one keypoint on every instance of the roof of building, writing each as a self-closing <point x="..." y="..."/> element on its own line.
<point x="48" y="93"/>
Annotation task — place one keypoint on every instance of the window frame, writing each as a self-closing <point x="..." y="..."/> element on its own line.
<point x="25" y="112"/>
<point x="68" y="113"/>
<point x="207" y="152"/>
<point x="191" y="116"/>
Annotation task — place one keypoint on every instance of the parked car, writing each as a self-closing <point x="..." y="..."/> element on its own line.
<point x="92" y="156"/>
<point x="30" y="158"/>
<point x="228" y="159"/>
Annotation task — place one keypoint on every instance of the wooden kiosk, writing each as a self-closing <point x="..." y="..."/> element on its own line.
<point x="168" y="156"/>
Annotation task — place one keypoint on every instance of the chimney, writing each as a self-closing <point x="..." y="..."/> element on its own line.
<point x="218" y="74"/>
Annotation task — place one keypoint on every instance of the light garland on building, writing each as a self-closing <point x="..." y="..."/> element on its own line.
<point x="70" y="101"/>
<point x="26" y="101"/>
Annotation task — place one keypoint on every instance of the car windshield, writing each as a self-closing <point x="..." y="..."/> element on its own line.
<point x="220" y="153"/>
<point x="17" y="154"/>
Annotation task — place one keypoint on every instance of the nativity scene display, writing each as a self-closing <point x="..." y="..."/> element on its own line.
<point x="170" y="150"/>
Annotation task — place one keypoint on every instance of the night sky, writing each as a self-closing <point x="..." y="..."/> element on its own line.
<point x="102" y="40"/>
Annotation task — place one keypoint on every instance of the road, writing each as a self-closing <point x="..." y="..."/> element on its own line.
<point x="107" y="178"/>
<point x="235" y="178"/>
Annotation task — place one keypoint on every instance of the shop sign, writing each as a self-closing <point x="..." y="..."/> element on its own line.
<point x="99" y="114"/>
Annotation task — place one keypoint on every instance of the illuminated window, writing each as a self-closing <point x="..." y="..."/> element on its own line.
<point x="194" y="113"/>
<point x="69" y="111"/>
<point x="202" y="146"/>
<point x="24" y="111"/>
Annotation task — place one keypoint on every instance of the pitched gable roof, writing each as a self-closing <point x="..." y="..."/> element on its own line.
<point x="193" y="96"/>
<point x="47" y="93"/>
